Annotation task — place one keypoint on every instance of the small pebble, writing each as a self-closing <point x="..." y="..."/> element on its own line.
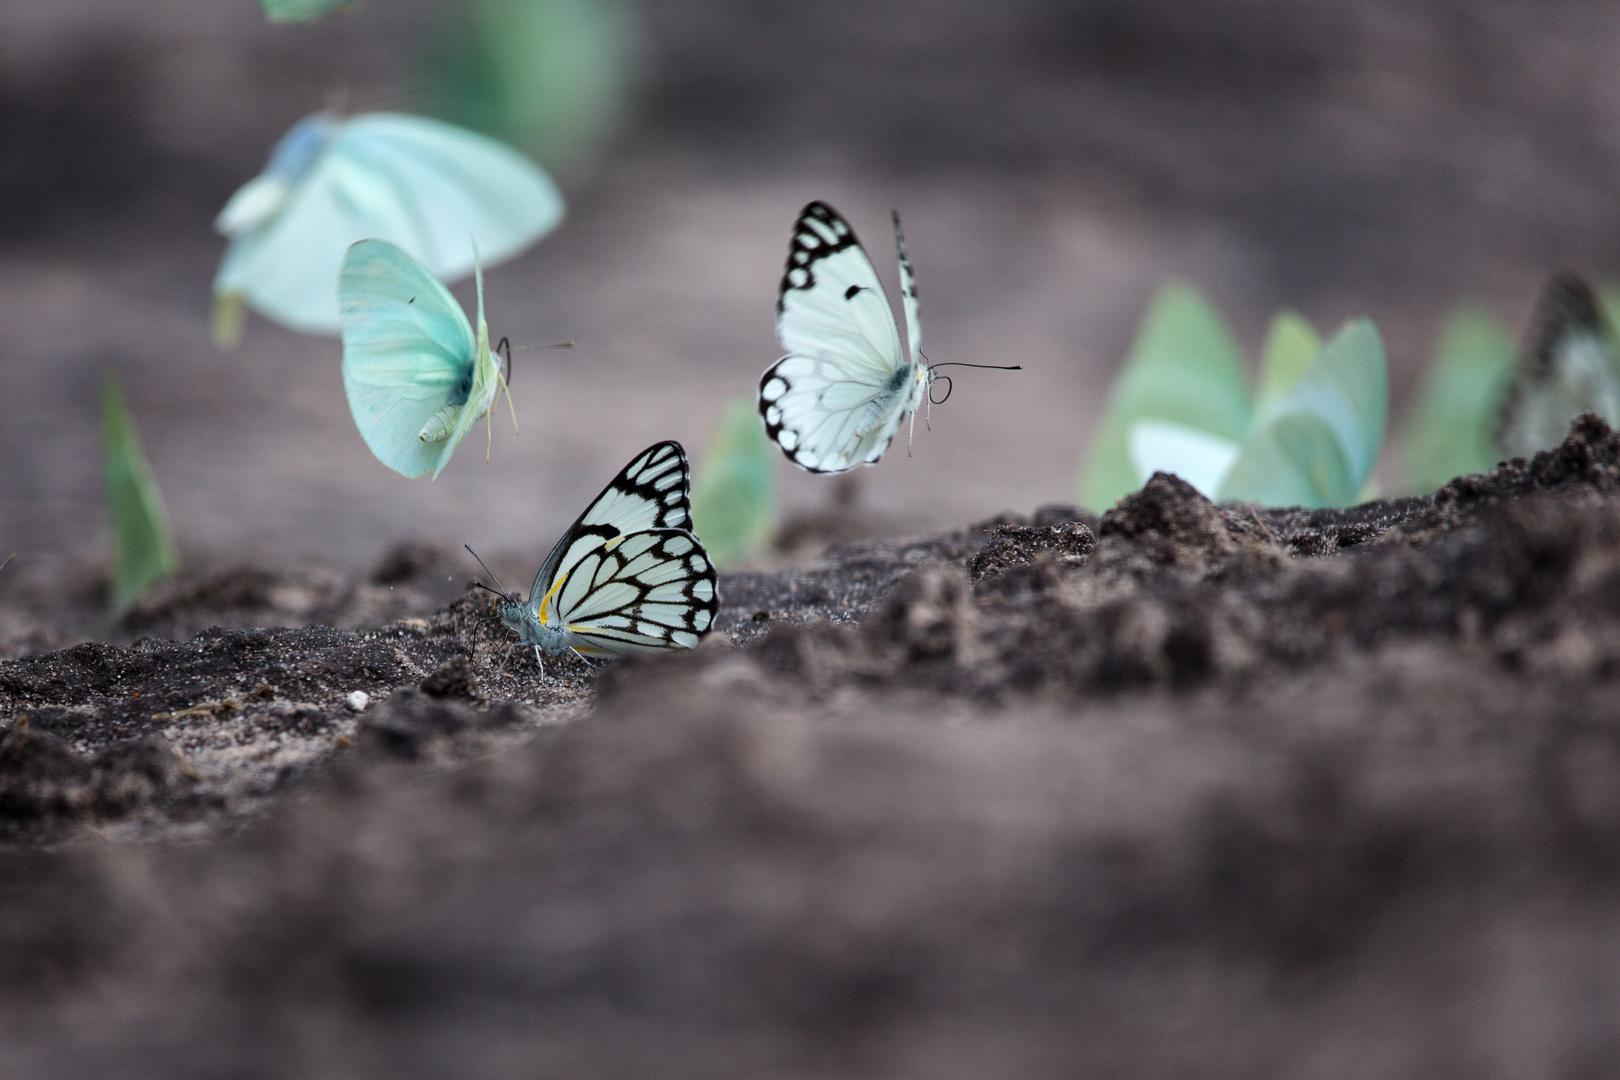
<point x="358" y="700"/>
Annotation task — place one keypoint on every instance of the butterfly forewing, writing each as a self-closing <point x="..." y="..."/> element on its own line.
<point x="643" y="592"/>
<point x="908" y="294"/>
<point x="830" y="302"/>
<point x="652" y="492"/>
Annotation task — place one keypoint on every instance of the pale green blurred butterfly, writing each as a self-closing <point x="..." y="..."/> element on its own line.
<point x="301" y="10"/>
<point x="416" y="376"/>
<point x="1181" y="406"/>
<point x="422" y="185"/>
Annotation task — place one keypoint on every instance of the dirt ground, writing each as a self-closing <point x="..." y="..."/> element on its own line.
<point x="1178" y="790"/>
<point x="1181" y="790"/>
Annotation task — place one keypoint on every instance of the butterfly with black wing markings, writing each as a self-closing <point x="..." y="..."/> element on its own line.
<point x="1571" y="366"/>
<point x="839" y="395"/>
<point x="628" y="577"/>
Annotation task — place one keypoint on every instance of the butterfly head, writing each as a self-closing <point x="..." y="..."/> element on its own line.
<point x="511" y="607"/>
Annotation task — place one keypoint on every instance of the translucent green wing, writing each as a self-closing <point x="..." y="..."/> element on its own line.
<point x="734" y="493"/>
<point x="1321" y="441"/>
<point x="143" y="549"/>
<point x="301" y="10"/>
<point x="1184" y="369"/>
<point x="1292" y="345"/>
<point x="408" y="354"/>
<point x="1450" y="431"/>
<point x="1197" y="457"/>
<point x="422" y="185"/>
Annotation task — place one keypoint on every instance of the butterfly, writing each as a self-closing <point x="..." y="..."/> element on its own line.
<point x="416" y="376"/>
<point x="627" y="577"/>
<point x="301" y="10"/>
<point x="837" y="398"/>
<point x="1571" y="367"/>
<point x="421" y="184"/>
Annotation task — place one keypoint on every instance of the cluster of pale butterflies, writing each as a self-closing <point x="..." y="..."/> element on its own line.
<point x="387" y="205"/>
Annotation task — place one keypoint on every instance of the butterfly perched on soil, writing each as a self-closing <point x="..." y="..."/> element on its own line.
<point x="837" y="398"/>
<point x="1572" y="366"/>
<point x="416" y="376"/>
<point x="420" y="184"/>
<point x="628" y="576"/>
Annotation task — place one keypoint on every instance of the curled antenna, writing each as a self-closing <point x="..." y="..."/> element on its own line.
<point x="949" y="386"/>
<point x="499" y="590"/>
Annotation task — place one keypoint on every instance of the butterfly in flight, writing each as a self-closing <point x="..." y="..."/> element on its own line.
<point x="416" y="376"/>
<point x="845" y="386"/>
<point x="1571" y="367"/>
<point x="422" y="185"/>
<point x="628" y="576"/>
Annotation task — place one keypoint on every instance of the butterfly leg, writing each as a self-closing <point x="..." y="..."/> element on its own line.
<point x="539" y="663"/>
<point x="588" y="662"/>
<point x="505" y="656"/>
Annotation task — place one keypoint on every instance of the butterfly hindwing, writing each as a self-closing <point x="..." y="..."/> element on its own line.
<point x="641" y="592"/>
<point x="652" y="492"/>
<point x="836" y="400"/>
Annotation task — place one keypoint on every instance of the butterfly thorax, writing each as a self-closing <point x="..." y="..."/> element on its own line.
<point x="298" y="150"/>
<point x="534" y="627"/>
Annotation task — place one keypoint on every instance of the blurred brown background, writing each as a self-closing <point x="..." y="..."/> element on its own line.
<point x="1054" y="162"/>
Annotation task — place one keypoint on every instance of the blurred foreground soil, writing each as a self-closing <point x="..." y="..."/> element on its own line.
<point x="1181" y="790"/>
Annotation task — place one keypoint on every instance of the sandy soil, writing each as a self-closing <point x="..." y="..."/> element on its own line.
<point x="1180" y="788"/>
<point x="1176" y="790"/>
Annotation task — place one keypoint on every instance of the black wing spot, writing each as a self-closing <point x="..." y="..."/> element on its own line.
<point x="412" y="300"/>
<point x="849" y="293"/>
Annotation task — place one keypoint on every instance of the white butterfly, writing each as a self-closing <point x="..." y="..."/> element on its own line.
<point x="1571" y="367"/>
<point x="422" y="185"/>
<point x="628" y="576"/>
<point x="839" y="395"/>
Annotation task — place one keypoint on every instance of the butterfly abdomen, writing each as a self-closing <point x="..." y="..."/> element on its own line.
<point x="440" y="424"/>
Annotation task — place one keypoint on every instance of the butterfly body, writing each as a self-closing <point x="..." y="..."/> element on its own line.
<point x="629" y="576"/>
<point x="840" y="394"/>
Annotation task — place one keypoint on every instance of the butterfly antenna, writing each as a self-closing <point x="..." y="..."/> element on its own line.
<point x="502" y="593"/>
<point x="379" y="98"/>
<point x="988" y="367"/>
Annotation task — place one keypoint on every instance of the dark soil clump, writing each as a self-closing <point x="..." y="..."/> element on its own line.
<point x="1182" y="790"/>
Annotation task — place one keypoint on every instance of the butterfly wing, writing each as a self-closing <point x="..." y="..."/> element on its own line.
<point x="407" y="353"/>
<point x="638" y="593"/>
<point x="652" y="492"/>
<point x="908" y="294"/>
<point x="423" y="185"/>
<point x="1572" y="367"/>
<point x="838" y="396"/>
